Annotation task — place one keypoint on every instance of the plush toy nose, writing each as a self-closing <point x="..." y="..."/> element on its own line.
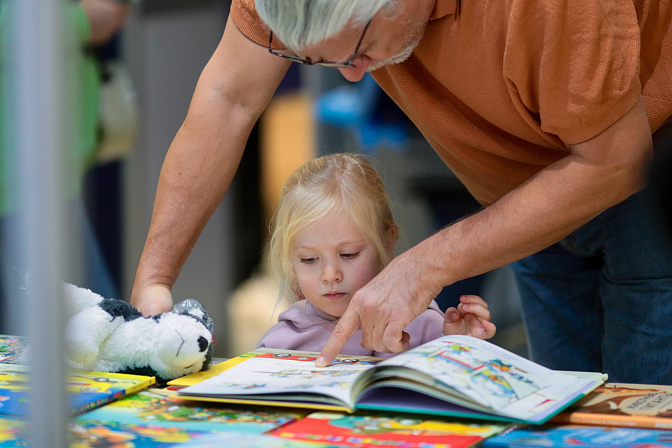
<point x="202" y="344"/>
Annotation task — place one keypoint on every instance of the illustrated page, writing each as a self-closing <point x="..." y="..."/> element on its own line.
<point x="494" y="377"/>
<point x="278" y="373"/>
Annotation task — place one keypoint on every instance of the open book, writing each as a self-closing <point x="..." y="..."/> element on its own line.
<point x="452" y="376"/>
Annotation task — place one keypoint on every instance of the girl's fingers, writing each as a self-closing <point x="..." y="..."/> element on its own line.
<point x="475" y="309"/>
<point x="452" y="314"/>
<point x="473" y="299"/>
<point x="489" y="329"/>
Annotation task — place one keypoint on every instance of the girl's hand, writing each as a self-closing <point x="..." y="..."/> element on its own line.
<point x="471" y="318"/>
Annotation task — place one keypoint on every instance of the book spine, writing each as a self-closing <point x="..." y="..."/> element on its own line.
<point x="97" y="403"/>
<point x="112" y="397"/>
<point x="614" y="420"/>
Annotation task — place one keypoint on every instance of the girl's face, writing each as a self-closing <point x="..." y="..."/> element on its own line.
<point x="332" y="260"/>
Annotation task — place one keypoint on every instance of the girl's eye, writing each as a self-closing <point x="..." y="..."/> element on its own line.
<point x="350" y="255"/>
<point x="308" y="260"/>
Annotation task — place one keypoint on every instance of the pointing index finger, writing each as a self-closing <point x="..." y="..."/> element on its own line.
<point x="347" y="326"/>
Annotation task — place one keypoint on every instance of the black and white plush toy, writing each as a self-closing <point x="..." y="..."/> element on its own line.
<point x="109" y="335"/>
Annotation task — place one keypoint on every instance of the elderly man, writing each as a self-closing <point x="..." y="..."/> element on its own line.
<point x="545" y="110"/>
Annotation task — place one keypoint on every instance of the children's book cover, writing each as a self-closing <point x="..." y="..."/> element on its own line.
<point x="13" y="433"/>
<point x="83" y="434"/>
<point x="11" y="348"/>
<point x="571" y="436"/>
<point x="162" y="408"/>
<point x="387" y="431"/>
<point x="96" y="434"/>
<point x="237" y="440"/>
<point x="622" y="404"/>
<point x="87" y="390"/>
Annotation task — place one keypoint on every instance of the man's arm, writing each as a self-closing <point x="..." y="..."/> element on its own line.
<point x="232" y="91"/>
<point x="597" y="174"/>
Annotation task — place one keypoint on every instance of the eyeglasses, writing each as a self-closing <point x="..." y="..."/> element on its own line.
<point x="322" y="62"/>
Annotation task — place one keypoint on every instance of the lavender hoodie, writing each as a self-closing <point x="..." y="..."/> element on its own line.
<point x="305" y="327"/>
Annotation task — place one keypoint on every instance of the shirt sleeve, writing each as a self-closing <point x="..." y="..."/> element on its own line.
<point x="248" y="22"/>
<point x="573" y="66"/>
<point x="80" y="23"/>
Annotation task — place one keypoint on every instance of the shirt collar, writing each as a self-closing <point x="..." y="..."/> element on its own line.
<point x="443" y="8"/>
<point x="310" y="309"/>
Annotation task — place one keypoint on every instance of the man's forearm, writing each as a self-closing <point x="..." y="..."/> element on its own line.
<point x="232" y="91"/>
<point x="552" y="204"/>
<point x="195" y="176"/>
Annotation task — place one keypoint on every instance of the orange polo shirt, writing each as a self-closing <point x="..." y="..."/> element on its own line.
<point x="501" y="89"/>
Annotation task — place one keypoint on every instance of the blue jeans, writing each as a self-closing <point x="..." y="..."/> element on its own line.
<point x="601" y="299"/>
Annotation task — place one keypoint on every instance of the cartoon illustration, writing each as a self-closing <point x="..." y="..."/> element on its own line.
<point x="312" y="373"/>
<point x="11" y="348"/>
<point x="478" y="372"/>
<point x="391" y="431"/>
<point x="94" y="382"/>
<point x="13" y="433"/>
<point x="121" y="435"/>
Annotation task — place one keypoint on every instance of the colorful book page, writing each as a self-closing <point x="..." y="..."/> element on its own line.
<point x="11" y="348"/>
<point x="289" y="375"/>
<point x="571" y="436"/>
<point x="162" y="408"/>
<point x="236" y="440"/>
<point x="13" y="433"/>
<point x="387" y="431"/>
<point x="94" y="434"/>
<point x="488" y="378"/>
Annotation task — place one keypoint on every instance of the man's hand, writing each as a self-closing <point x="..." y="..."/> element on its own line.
<point x="153" y="300"/>
<point x="385" y="306"/>
<point x="471" y="318"/>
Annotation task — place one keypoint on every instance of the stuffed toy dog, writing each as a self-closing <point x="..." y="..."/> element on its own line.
<point x="110" y="335"/>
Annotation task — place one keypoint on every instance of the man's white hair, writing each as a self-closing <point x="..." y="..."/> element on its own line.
<point x="302" y="23"/>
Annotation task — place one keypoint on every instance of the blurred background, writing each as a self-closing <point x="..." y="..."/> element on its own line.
<point x="150" y="67"/>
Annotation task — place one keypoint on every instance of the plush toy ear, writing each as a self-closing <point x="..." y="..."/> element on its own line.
<point x="77" y="299"/>
<point x="194" y="308"/>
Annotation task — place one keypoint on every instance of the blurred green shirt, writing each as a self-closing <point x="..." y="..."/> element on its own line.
<point x="84" y="82"/>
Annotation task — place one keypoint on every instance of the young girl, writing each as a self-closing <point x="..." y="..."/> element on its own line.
<point x="333" y="232"/>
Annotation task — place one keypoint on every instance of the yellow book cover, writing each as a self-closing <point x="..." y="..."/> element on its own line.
<point x="86" y="390"/>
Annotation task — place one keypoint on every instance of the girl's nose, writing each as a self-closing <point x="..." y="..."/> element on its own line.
<point x="331" y="273"/>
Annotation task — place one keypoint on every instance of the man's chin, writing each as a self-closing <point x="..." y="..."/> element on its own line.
<point x="396" y="59"/>
<point x="389" y="61"/>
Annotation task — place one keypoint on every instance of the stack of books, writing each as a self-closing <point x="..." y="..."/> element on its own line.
<point x="455" y="391"/>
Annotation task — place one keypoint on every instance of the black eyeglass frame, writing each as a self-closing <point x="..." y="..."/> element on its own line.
<point x="322" y="62"/>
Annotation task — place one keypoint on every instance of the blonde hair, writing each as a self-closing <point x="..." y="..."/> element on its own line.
<point x="337" y="183"/>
